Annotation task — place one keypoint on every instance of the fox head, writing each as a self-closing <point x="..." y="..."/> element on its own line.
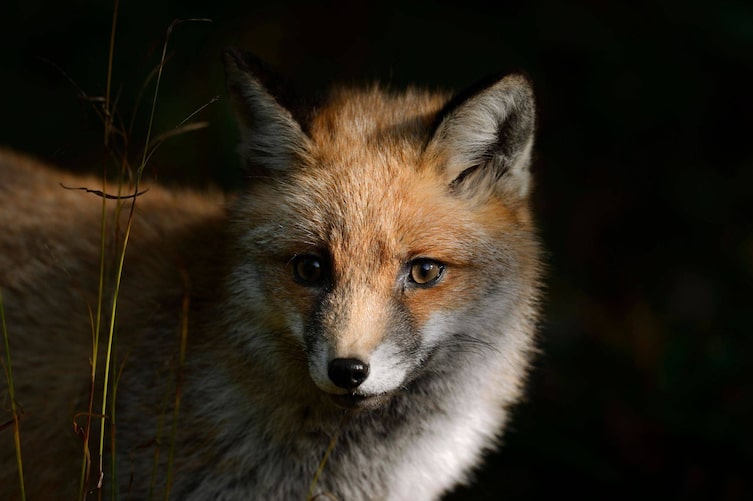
<point x="382" y="233"/>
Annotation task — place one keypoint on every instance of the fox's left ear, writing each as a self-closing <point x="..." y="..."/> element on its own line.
<point x="483" y="142"/>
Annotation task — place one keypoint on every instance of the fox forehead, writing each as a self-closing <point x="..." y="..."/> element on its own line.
<point x="374" y="123"/>
<point x="367" y="185"/>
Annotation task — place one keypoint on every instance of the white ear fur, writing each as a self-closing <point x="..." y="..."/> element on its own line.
<point x="270" y="137"/>
<point x="484" y="143"/>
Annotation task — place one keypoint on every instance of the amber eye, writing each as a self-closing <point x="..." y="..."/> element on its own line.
<point x="308" y="270"/>
<point x="426" y="272"/>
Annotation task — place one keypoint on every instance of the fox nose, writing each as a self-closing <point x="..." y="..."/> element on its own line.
<point x="348" y="373"/>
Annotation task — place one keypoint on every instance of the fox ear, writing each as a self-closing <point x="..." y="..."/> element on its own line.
<point x="271" y="139"/>
<point x="483" y="142"/>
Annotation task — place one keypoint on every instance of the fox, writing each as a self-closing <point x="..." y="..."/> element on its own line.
<point x="357" y="323"/>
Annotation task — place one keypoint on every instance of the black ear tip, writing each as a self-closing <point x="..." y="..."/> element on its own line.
<point x="232" y="60"/>
<point x="231" y="51"/>
<point x="246" y="62"/>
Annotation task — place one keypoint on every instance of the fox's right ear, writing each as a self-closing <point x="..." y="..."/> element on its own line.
<point x="271" y="139"/>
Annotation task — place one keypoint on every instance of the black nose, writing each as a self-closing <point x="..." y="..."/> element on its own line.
<point x="348" y="373"/>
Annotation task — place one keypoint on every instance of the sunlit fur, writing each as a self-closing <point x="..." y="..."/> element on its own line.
<point x="368" y="180"/>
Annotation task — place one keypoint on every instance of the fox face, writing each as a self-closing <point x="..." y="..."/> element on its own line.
<point x="382" y="231"/>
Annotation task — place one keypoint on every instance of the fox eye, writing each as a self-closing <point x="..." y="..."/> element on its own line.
<point x="308" y="270"/>
<point x="426" y="272"/>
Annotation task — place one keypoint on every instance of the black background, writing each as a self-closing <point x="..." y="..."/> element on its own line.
<point x="644" y="174"/>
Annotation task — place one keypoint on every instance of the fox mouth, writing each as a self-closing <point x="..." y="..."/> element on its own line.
<point x="353" y="401"/>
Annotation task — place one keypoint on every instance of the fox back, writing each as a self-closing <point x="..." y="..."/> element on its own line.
<point x="371" y="295"/>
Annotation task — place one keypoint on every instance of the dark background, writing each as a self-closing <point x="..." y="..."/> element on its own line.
<point x="644" y="171"/>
